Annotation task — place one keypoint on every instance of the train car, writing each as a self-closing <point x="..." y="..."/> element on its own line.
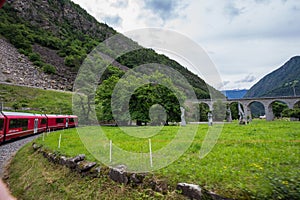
<point x="57" y="122"/>
<point x="2" y="123"/>
<point x="16" y="124"/>
<point x="72" y="120"/>
<point x="61" y="121"/>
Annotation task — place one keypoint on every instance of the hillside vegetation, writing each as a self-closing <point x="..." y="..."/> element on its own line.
<point x="36" y="100"/>
<point x="38" y="27"/>
<point x="284" y="81"/>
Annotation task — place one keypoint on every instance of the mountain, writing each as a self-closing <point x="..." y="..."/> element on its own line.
<point x="234" y="94"/>
<point x="285" y="81"/>
<point x="53" y="37"/>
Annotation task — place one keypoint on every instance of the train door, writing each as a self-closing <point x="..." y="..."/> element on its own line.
<point x="2" y="127"/>
<point x="67" y="122"/>
<point x="36" y="124"/>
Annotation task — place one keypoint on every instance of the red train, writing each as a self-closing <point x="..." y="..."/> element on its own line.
<point x="14" y="124"/>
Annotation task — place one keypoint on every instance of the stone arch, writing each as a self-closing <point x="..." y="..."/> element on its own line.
<point x="256" y="108"/>
<point x="270" y="115"/>
<point x="296" y="104"/>
<point x="209" y="103"/>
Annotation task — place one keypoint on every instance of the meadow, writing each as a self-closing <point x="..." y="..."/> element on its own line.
<point x="36" y="100"/>
<point x="256" y="161"/>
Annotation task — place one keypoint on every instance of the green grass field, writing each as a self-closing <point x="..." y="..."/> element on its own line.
<point x="259" y="160"/>
<point x="40" y="100"/>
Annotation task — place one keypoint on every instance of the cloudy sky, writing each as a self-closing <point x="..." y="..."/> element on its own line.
<point x="244" y="39"/>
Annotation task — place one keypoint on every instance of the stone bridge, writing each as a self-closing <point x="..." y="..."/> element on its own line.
<point x="290" y="101"/>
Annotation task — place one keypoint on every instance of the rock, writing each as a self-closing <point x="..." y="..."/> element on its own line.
<point x="36" y="146"/>
<point x="6" y="72"/>
<point x="94" y="172"/>
<point x="72" y="162"/>
<point x="159" y="186"/>
<point x="84" y="166"/>
<point x="63" y="160"/>
<point x="136" y="179"/>
<point x="119" y="174"/>
<point x="50" y="157"/>
<point x="190" y="190"/>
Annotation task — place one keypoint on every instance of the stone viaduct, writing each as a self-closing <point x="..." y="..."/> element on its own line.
<point x="290" y="101"/>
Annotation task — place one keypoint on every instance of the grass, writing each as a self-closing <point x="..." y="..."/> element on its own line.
<point x="33" y="177"/>
<point x="259" y="160"/>
<point x="48" y="101"/>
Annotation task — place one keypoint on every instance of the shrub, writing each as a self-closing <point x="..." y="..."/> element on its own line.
<point x="26" y="52"/>
<point x="49" y="69"/>
<point x="69" y="61"/>
<point x="38" y="63"/>
<point x="34" y="57"/>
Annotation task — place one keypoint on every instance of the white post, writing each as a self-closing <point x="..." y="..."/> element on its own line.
<point x="59" y="141"/>
<point x="43" y="136"/>
<point x="110" y="150"/>
<point x="150" y="151"/>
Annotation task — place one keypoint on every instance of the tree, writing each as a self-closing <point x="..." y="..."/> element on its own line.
<point x="278" y="107"/>
<point x="141" y="96"/>
<point x="234" y="110"/>
<point x="295" y="113"/>
<point x="103" y="99"/>
<point x="203" y="109"/>
<point x="152" y="94"/>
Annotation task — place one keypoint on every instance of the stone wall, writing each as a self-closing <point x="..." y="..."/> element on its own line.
<point x="78" y="164"/>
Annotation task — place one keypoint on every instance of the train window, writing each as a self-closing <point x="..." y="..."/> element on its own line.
<point x="1" y="123"/>
<point x="72" y="120"/>
<point x="44" y="121"/>
<point x="19" y="123"/>
<point x="59" y="120"/>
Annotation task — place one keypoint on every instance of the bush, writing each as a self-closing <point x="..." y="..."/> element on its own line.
<point x="69" y="61"/>
<point x="61" y="54"/>
<point x="34" y="57"/>
<point x="49" y="69"/>
<point x="26" y="52"/>
<point x="38" y="63"/>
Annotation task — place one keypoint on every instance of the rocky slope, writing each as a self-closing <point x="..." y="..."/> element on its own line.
<point x="58" y="16"/>
<point x="15" y="68"/>
<point x="285" y="81"/>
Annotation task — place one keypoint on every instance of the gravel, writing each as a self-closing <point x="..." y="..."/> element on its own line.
<point x="9" y="149"/>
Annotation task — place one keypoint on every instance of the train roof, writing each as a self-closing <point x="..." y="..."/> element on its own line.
<point x="60" y="115"/>
<point x="20" y="114"/>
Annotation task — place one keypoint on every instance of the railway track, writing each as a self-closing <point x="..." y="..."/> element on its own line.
<point x="7" y="150"/>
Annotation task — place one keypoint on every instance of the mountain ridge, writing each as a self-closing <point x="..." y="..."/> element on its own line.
<point x="284" y="81"/>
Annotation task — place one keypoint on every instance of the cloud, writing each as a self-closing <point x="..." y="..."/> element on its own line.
<point x="226" y="82"/>
<point x="262" y="1"/>
<point x="113" y="19"/>
<point x="232" y="11"/>
<point x="119" y="3"/>
<point x="248" y="79"/>
<point x="165" y="9"/>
